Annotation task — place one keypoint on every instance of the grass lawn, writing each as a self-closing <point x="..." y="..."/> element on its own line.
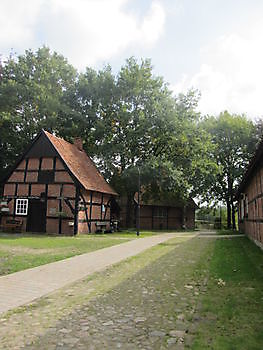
<point x="231" y="316"/>
<point x="228" y="232"/>
<point x="19" y="252"/>
<point x="22" y="251"/>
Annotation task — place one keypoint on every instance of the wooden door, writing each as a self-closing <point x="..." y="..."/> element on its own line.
<point x="36" y="219"/>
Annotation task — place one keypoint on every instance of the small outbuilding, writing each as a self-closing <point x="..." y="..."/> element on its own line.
<point x="250" y="199"/>
<point x="55" y="187"/>
<point x="164" y="214"/>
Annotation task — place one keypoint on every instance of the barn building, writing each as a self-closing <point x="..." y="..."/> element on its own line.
<point x="165" y="214"/>
<point x="250" y="199"/>
<point x="56" y="188"/>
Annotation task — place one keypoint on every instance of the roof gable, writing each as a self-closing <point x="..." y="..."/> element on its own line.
<point x="80" y="165"/>
<point x="41" y="147"/>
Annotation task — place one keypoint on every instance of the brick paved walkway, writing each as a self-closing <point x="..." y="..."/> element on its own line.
<point x="24" y="286"/>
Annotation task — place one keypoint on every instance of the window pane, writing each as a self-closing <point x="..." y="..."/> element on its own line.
<point x="21" y="206"/>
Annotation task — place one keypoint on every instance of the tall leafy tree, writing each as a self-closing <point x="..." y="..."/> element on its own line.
<point x="92" y="103"/>
<point x="139" y="127"/>
<point x="143" y="113"/>
<point x="234" y="138"/>
<point x="185" y="167"/>
<point x="33" y="87"/>
<point x="125" y="119"/>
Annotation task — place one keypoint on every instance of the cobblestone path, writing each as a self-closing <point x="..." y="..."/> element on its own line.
<point x="23" y="287"/>
<point x="156" y="308"/>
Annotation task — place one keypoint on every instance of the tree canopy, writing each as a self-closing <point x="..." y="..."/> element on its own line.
<point x="127" y="120"/>
<point x="33" y="87"/>
<point x="234" y="138"/>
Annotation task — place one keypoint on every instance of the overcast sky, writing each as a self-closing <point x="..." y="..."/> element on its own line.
<point x="215" y="46"/>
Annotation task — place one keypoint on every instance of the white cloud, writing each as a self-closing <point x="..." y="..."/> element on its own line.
<point x="231" y="74"/>
<point x="85" y="31"/>
<point x="152" y="25"/>
<point x="18" y="20"/>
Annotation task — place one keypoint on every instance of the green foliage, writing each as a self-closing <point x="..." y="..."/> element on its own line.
<point x="33" y="87"/>
<point x="234" y="138"/>
<point x="127" y="121"/>
<point x="141" y="119"/>
<point x="132" y="121"/>
<point x="184" y="166"/>
<point x="92" y="103"/>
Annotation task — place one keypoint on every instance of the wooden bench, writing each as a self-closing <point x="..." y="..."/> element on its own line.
<point x="100" y="226"/>
<point x="13" y="225"/>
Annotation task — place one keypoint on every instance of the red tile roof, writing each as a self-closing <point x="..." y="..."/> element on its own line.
<point x="80" y="165"/>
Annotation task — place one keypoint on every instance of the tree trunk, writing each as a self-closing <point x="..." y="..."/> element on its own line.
<point x="229" y="202"/>
<point x="184" y="217"/>
<point x="228" y="207"/>
<point x="233" y="212"/>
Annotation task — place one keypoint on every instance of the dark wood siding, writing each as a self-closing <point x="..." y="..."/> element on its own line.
<point x="251" y="220"/>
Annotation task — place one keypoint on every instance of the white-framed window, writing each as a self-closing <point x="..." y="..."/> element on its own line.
<point x="21" y="206"/>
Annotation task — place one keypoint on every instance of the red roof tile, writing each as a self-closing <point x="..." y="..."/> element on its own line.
<point x="80" y="165"/>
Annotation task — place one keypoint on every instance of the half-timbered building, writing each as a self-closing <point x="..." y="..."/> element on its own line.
<point x="165" y="214"/>
<point x="56" y="188"/>
<point x="250" y="199"/>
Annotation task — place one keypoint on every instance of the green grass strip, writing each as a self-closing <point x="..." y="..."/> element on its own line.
<point x="231" y="316"/>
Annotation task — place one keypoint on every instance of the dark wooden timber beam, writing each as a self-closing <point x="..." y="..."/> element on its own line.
<point x="76" y="211"/>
